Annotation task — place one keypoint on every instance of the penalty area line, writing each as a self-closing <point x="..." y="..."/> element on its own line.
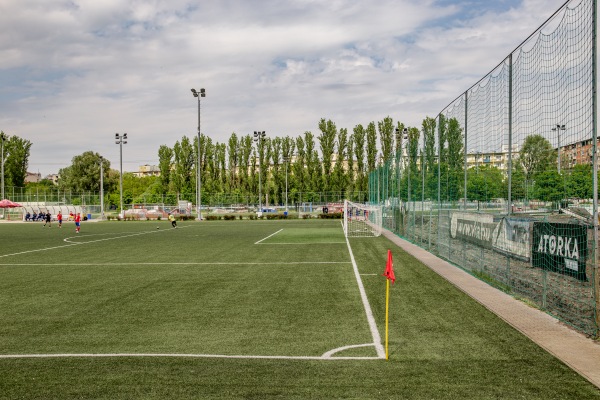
<point x="273" y="234"/>
<point x="181" y="355"/>
<point x="179" y="263"/>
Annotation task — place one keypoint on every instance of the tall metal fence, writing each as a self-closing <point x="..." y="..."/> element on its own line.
<point x="53" y="196"/>
<point x="503" y="182"/>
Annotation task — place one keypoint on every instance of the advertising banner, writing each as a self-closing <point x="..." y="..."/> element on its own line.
<point x="473" y="228"/>
<point x="560" y="247"/>
<point x="511" y="237"/>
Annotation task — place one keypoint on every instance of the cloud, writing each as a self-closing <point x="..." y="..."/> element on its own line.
<point x="78" y="71"/>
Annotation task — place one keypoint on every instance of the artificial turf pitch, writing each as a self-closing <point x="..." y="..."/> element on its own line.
<point x="246" y="309"/>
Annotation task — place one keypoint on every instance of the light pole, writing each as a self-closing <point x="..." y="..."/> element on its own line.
<point x="287" y="160"/>
<point x="101" y="189"/>
<point x="259" y="136"/>
<point x="201" y="93"/>
<point x="558" y="128"/>
<point x="121" y="140"/>
<point x="3" y="137"/>
<point x="405" y="138"/>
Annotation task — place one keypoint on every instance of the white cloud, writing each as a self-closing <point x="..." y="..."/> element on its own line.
<point x="75" y="72"/>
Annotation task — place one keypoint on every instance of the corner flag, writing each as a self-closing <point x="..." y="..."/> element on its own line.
<point x="389" y="268"/>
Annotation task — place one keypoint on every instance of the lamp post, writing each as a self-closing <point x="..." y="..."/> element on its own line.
<point x="101" y="188"/>
<point x="3" y="137"/>
<point x="121" y="140"/>
<point x="201" y="93"/>
<point x="287" y="160"/>
<point x="405" y="139"/>
<point x="259" y="136"/>
<point x="558" y="128"/>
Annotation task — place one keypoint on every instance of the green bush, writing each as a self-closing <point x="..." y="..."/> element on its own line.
<point x="277" y="216"/>
<point x="337" y="215"/>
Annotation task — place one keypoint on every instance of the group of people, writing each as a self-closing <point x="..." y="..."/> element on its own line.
<point x="47" y="218"/>
<point x="36" y="217"/>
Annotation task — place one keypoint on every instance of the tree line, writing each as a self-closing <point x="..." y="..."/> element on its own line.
<point x="335" y="161"/>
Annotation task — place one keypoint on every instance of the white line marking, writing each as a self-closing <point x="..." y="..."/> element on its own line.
<point x="36" y="250"/>
<point x="180" y="263"/>
<point x="368" y="311"/>
<point x="330" y="353"/>
<point x="310" y="243"/>
<point x="78" y="243"/>
<point x="273" y="234"/>
<point x="66" y="355"/>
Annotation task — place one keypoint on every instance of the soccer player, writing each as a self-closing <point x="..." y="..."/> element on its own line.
<point x="48" y="219"/>
<point x="172" y="219"/>
<point x="59" y="218"/>
<point x="77" y="222"/>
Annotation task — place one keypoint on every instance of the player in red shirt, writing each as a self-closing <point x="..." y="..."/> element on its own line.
<point x="59" y="218"/>
<point x="77" y="222"/>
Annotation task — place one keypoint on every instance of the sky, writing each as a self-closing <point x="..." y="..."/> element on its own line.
<point x="75" y="72"/>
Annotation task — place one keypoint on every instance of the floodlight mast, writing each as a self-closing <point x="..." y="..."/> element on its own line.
<point x="121" y="140"/>
<point x="558" y="128"/>
<point x="201" y="93"/>
<point x="259" y="136"/>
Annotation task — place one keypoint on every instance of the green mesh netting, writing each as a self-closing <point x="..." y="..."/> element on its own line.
<point x="501" y="182"/>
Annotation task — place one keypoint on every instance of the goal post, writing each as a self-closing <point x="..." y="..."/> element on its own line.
<point x="361" y="220"/>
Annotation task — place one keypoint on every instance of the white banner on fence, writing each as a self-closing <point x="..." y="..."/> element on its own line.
<point x="511" y="237"/>
<point x="473" y="227"/>
<point x="507" y="236"/>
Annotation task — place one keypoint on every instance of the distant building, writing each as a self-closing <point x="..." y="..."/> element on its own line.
<point x="578" y="153"/>
<point x="498" y="159"/>
<point x="53" y="178"/>
<point x="33" y="177"/>
<point x="147" y="170"/>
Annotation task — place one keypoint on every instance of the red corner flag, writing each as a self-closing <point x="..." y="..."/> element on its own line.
<point x="389" y="268"/>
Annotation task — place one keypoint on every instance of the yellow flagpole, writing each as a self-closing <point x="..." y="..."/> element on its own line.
<point x="387" y="305"/>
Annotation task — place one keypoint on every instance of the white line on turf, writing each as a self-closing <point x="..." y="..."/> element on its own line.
<point x="69" y="243"/>
<point x="44" y="249"/>
<point x="310" y="243"/>
<point x="180" y="263"/>
<point x="273" y="234"/>
<point x="368" y="311"/>
<point x="326" y="356"/>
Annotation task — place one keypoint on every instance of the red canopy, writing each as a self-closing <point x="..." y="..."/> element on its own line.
<point x="9" y="204"/>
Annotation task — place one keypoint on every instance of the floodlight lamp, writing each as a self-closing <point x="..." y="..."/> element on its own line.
<point x="124" y="136"/>
<point x="116" y="135"/>
<point x="202" y="93"/>
<point x="194" y="93"/>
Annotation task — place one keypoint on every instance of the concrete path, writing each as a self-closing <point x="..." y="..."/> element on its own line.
<point x="574" y="349"/>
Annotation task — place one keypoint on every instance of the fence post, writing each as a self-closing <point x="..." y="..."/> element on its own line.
<point x="595" y="165"/>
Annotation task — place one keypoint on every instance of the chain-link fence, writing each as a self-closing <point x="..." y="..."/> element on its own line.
<point x="44" y="199"/>
<point x="503" y="182"/>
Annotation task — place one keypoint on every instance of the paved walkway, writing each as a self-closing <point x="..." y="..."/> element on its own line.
<point x="574" y="349"/>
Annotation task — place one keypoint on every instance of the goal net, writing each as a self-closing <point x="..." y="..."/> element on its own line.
<point x="361" y="220"/>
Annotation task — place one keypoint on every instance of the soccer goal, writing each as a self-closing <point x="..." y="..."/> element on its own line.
<point x="361" y="220"/>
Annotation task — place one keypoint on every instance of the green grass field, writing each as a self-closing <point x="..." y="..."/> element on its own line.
<point x="248" y="310"/>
